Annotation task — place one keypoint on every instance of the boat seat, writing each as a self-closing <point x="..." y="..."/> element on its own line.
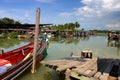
<point x="30" y="46"/>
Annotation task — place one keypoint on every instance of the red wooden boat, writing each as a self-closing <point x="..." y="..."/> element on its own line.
<point x="15" y="62"/>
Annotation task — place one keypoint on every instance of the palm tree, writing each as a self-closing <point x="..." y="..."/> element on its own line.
<point x="71" y="26"/>
<point x="77" y="25"/>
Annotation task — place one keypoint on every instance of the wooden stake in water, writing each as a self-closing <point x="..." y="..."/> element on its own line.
<point x="36" y="39"/>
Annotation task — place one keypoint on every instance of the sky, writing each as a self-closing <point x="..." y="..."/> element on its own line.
<point x="91" y="14"/>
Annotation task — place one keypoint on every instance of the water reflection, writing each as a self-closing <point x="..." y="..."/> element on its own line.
<point x="114" y="43"/>
<point x="70" y="40"/>
<point x="62" y="47"/>
<point x="10" y="44"/>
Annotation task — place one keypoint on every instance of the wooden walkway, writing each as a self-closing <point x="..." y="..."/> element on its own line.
<point x="93" y="69"/>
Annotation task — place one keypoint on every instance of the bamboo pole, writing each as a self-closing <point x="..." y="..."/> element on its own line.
<point x="35" y="39"/>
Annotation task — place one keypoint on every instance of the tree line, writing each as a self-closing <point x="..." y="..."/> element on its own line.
<point x="6" y="20"/>
<point x="69" y="26"/>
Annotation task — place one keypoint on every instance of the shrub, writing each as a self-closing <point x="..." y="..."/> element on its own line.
<point x="13" y="35"/>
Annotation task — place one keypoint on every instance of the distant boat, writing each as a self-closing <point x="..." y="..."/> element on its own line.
<point x="15" y="62"/>
<point x="113" y="36"/>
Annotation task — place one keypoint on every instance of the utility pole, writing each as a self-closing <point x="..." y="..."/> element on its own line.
<point x="36" y="40"/>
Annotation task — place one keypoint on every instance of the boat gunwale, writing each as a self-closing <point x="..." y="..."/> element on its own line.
<point x="21" y="63"/>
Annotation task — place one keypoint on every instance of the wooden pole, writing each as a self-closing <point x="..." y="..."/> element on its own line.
<point x="35" y="39"/>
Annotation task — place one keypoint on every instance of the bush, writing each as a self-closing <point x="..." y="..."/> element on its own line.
<point x="4" y="35"/>
<point x="13" y="34"/>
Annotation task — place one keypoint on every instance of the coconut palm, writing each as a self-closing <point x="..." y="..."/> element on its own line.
<point x="77" y="25"/>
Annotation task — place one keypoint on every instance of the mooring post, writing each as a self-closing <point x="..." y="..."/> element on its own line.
<point x="36" y="39"/>
<point x="67" y="74"/>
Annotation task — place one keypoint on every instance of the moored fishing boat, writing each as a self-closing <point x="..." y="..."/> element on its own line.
<point x="15" y="62"/>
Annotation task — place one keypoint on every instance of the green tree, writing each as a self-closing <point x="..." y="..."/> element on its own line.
<point x="77" y="25"/>
<point x="70" y="26"/>
<point x="17" y="22"/>
<point x="6" y="20"/>
<point x="66" y="25"/>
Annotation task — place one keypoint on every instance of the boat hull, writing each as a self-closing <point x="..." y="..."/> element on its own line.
<point x="18" y="69"/>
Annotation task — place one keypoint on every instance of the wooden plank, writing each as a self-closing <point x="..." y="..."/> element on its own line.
<point x="61" y="62"/>
<point x="99" y="64"/>
<point x="68" y="65"/>
<point x="102" y="68"/>
<point x="81" y="63"/>
<point x="106" y="72"/>
<point x="111" y="78"/>
<point x="91" y="71"/>
<point x="94" y="68"/>
<point x="76" y="75"/>
<point x="81" y="66"/>
<point x="90" y="65"/>
<point x="55" y="62"/>
<point x="85" y="66"/>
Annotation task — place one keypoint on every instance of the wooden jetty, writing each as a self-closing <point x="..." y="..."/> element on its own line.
<point x="87" y="69"/>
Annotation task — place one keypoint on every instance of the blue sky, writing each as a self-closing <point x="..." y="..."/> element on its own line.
<point x="91" y="14"/>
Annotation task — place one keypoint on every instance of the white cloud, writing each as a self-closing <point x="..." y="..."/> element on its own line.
<point x="26" y="14"/>
<point x="115" y="25"/>
<point x="27" y="18"/>
<point x="24" y="17"/>
<point x="65" y="14"/>
<point x="111" y="5"/>
<point x="85" y="11"/>
<point x="92" y="8"/>
<point x="86" y="1"/>
<point x="81" y="19"/>
<point x="46" y="1"/>
<point x="98" y="7"/>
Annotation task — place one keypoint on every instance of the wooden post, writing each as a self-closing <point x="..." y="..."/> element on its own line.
<point x="35" y="39"/>
<point x="67" y="74"/>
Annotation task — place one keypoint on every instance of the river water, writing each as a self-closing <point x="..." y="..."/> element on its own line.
<point x="60" y="48"/>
